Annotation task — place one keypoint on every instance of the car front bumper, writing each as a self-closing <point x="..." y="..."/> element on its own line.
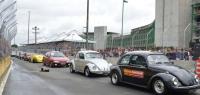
<point x="101" y="72"/>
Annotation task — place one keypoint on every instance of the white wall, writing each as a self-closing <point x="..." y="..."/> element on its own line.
<point x="100" y="36"/>
<point x="177" y="15"/>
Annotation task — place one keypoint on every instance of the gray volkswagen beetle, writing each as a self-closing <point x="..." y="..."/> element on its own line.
<point x="90" y="62"/>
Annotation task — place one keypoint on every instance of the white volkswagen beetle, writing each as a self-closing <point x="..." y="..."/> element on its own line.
<point x="90" y="62"/>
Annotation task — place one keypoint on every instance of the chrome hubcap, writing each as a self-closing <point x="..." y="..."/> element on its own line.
<point x="159" y="86"/>
<point x="114" y="78"/>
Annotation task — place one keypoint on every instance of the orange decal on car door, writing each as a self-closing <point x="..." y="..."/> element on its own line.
<point x="133" y="73"/>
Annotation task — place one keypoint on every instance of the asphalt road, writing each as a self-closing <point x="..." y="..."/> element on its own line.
<point x="26" y="79"/>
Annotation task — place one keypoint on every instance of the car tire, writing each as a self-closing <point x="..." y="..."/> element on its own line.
<point x="33" y="61"/>
<point x="87" y="72"/>
<point x="115" y="78"/>
<point x="71" y="69"/>
<point x="159" y="87"/>
<point x="51" y="65"/>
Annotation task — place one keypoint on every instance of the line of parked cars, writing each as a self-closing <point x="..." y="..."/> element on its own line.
<point x="31" y="57"/>
<point x="145" y="69"/>
<point x="51" y="59"/>
<point x="139" y="68"/>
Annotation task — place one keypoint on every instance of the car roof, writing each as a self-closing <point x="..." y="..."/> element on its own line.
<point x="53" y="52"/>
<point x="87" y="51"/>
<point x="144" y="53"/>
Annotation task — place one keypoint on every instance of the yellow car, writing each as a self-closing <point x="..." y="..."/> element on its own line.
<point x="36" y="58"/>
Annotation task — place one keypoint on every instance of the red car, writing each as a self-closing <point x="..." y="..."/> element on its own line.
<point x="55" y="59"/>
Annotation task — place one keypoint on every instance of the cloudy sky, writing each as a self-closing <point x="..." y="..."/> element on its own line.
<point x="57" y="16"/>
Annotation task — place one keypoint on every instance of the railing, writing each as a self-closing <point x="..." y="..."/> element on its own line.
<point x="4" y="65"/>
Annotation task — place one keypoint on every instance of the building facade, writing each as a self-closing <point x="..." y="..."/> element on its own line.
<point x="141" y="37"/>
<point x="195" y="20"/>
<point x="173" y="18"/>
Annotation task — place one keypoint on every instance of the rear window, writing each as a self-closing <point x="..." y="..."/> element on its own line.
<point x="57" y="54"/>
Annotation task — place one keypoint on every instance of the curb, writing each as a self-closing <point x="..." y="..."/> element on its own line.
<point x="3" y="83"/>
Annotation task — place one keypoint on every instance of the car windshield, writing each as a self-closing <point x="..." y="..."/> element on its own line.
<point x="93" y="55"/>
<point x="57" y="54"/>
<point x="157" y="59"/>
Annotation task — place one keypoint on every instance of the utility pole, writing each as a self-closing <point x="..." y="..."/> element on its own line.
<point x="122" y="31"/>
<point x="87" y="23"/>
<point x="35" y="29"/>
<point x="163" y="24"/>
<point x="29" y="16"/>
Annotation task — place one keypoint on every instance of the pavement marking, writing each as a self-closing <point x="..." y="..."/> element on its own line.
<point x="3" y="84"/>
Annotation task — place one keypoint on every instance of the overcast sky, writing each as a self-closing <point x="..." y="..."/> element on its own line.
<point x="57" y="16"/>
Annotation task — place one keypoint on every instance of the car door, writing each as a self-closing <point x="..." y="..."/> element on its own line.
<point x="76" y="62"/>
<point x="123" y="64"/>
<point x="137" y="71"/>
<point x="82" y="62"/>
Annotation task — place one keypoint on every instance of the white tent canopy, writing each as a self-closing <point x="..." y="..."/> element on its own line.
<point x="71" y="37"/>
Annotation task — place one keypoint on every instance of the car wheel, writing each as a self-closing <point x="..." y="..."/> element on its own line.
<point x="71" y="69"/>
<point x="159" y="87"/>
<point x="115" y="78"/>
<point x="51" y="65"/>
<point x="33" y="61"/>
<point x="87" y="72"/>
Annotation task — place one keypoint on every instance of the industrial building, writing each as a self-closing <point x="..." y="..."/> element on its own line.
<point x="66" y="42"/>
<point x="141" y="37"/>
<point x="176" y="25"/>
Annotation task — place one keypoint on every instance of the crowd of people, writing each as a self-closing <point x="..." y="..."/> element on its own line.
<point x="171" y="53"/>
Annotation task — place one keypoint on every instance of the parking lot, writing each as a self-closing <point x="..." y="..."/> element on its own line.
<point x="26" y="79"/>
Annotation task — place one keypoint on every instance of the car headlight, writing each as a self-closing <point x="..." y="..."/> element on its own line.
<point x="94" y="67"/>
<point x="197" y="78"/>
<point x="176" y="82"/>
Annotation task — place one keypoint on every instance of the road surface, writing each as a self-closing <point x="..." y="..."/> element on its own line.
<point x="26" y="79"/>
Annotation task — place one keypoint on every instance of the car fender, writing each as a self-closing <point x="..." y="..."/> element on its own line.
<point x="116" y="69"/>
<point x="166" y="77"/>
<point x="73" y="64"/>
<point x="89" y="65"/>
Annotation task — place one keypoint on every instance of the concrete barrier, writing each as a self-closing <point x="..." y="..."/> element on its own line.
<point x="5" y="64"/>
<point x="198" y="68"/>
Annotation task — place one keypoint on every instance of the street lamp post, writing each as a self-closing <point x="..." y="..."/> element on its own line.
<point x="29" y="15"/>
<point x="185" y="34"/>
<point x="35" y="29"/>
<point x="87" y="23"/>
<point x="122" y="30"/>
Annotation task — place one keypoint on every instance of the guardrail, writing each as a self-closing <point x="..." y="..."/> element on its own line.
<point x="4" y="66"/>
